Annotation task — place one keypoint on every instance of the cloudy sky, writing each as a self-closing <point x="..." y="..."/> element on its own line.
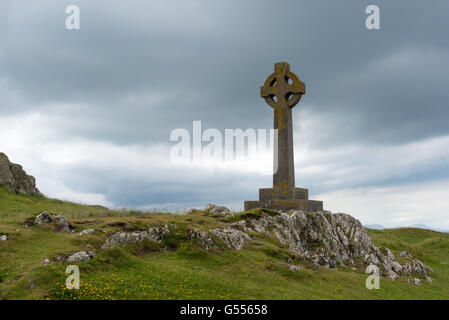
<point x="89" y="112"/>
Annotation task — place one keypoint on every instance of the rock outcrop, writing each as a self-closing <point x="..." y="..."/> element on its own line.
<point x="15" y="179"/>
<point x="217" y="210"/>
<point x="322" y="238"/>
<point x="202" y="237"/>
<point x="414" y="267"/>
<point x="233" y="238"/>
<point x="80" y="256"/>
<point x="59" y="223"/>
<point x="76" y="257"/>
<point x="156" y="234"/>
<point x="328" y="240"/>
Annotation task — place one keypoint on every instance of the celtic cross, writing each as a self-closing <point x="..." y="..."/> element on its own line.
<point x="282" y="91"/>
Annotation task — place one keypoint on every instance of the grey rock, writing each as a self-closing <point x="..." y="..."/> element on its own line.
<point x="15" y="179"/>
<point x="156" y="234"/>
<point x="233" y="238"/>
<point x="417" y="282"/>
<point x="60" y="223"/>
<point x="322" y="237"/>
<point x="294" y="268"/>
<point x="202" y="237"/>
<point x="414" y="266"/>
<point x="43" y="218"/>
<point x="86" y="232"/>
<point x="220" y="210"/>
<point x="329" y="240"/>
<point x="396" y="267"/>
<point x="212" y="208"/>
<point x="80" y="256"/>
<point x="390" y="254"/>
<point x="209" y="207"/>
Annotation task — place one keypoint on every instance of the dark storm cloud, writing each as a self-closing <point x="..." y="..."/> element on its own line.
<point x="159" y="69"/>
<point x="138" y="69"/>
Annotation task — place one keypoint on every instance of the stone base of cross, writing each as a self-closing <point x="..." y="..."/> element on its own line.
<point x="285" y="200"/>
<point x="282" y="91"/>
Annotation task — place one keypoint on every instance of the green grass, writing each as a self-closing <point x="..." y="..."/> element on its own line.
<point x="179" y="269"/>
<point x="15" y="207"/>
<point x="252" y="214"/>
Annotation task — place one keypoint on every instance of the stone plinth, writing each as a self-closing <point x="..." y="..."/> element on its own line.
<point x="286" y="205"/>
<point x="285" y="199"/>
<point x="266" y="194"/>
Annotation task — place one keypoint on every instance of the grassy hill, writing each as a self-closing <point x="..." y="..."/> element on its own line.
<point x="179" y="269"/>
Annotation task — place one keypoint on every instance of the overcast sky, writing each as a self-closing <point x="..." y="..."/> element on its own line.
<point x="89" y="112"/>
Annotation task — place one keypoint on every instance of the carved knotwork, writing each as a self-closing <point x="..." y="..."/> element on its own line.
<point x="282" y="89"/>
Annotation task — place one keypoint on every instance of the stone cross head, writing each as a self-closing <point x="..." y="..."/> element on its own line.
<point x="282" y="89"/>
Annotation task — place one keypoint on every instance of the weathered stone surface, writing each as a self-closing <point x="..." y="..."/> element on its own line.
<point x="414" y="266"/>
<point x="233" y="238"/>
<point x="59" y="222"/>
<point x="329" y="240"/>
<point x="294" y="268"/>
<point x="15" y="179"/>
<point x="282" y="90"/>
<point x="209" y="207"/>
<point x="390" y="254"/>
<point x="156" y="234"/>
<point x="81" y="256"/>
<point x="268" y="194"/>
<point x="286" y="205"/>
<point x="43" y="218"/>
<point x="220" y="210"/>
<point x="202" y="237"/>
<point x="86" y="232"/>
<point x="214" y="209"/>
